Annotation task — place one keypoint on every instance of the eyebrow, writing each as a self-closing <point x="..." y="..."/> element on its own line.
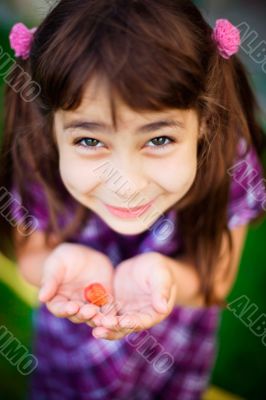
<point x="101" y="127"/>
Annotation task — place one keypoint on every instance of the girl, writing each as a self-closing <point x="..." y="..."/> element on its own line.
<point x="136" y="166"/>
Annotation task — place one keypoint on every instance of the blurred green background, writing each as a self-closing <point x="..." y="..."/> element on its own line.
<point x="241" y="360"/>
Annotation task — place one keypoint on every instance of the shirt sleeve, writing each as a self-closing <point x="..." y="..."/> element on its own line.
<point x="35" y="213"/>
<point x="247" y="197"/>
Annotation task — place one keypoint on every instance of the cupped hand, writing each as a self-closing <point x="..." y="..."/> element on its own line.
<point x="68" y="269"/>
<point x="145" y="293"/>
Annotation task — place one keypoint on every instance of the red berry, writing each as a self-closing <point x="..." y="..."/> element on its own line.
<point x="96" y="294"/>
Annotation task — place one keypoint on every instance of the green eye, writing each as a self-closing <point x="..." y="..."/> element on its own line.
<point x="92" y="144"/>
<point x="159" y="142"/>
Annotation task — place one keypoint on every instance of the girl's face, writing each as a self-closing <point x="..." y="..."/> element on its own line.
<point x="151" y="157"/>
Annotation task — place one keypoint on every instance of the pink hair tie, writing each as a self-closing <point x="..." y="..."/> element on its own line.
<point x="227" y="37"/>
<point x="21" y="39"/>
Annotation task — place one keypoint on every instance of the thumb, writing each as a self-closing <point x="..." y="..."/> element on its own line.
<point x="160" y="284"/>
<point x="48" y="290"/>
<point x="53" y="272"/>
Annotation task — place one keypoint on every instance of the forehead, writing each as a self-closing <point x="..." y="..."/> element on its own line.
<point x="98" y="102"/>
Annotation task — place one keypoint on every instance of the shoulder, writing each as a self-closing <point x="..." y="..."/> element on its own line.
<point x="247" y="197"/>
<point x="36" y="204"/>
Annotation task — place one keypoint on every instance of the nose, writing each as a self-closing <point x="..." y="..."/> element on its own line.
<point x="130" y="179"/>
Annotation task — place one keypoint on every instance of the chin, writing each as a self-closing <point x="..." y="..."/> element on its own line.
<point x="125" y="226"/>
<point x="126" y="229"/>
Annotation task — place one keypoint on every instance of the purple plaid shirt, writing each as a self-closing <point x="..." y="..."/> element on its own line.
<point x="171" y="360"/>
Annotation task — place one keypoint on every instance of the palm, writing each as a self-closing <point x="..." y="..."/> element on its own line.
<point x="130" y="290"/>
<point x="134" y="296"/>
<point x="75" y="280"/>
<point x="75" y="267"/>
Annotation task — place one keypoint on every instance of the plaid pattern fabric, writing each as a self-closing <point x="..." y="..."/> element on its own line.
<point x="171" y="360"/>
<point x="248" y="193"/>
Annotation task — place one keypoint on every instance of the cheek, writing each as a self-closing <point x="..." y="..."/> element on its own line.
<point x="77" y="175"/>
<point x="179" y="174"/>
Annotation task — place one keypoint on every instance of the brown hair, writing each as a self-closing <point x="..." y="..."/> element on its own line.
<point x="156" y="54"/>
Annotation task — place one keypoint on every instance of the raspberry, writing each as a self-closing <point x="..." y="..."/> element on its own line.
<point x="95" y="293"/>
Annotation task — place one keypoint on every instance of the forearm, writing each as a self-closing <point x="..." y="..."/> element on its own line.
<point x="187" y="280"/>
<point x="31" y="267"/>
<point x="187" y="283"/>
<point x="30" y="255"/>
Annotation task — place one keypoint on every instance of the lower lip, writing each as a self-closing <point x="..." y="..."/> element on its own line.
<point x="127" y="213"/>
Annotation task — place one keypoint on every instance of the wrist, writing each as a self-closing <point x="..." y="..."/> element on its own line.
<point x="187" y="283"/>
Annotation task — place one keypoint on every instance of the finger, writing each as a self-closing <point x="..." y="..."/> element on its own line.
<point x="108" y="321"/>
<point x="63" y="308"/>
<point x="108" y="334"/>
<point x="72" y="307"/>
<point x="134" y="321"/>
<point x="78" y="321"/>
<point x="91" y="323"/>
<point x="161" y="285"/>
<point x="133" y="324"/>
<point x="47" y="291"/>
<point x="105" y="313"/>
<point x="75" y="320"/>
<point x="110" y="308"/>
<point x="52" y="276"/>
<point x="87" y="312"/>
<point x="97" y="319"/>
<point x="108" y="317"/>
<point x="90" y="315"/>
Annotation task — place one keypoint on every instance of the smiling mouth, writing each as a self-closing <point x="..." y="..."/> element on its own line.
<point x="129" y="212"/>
